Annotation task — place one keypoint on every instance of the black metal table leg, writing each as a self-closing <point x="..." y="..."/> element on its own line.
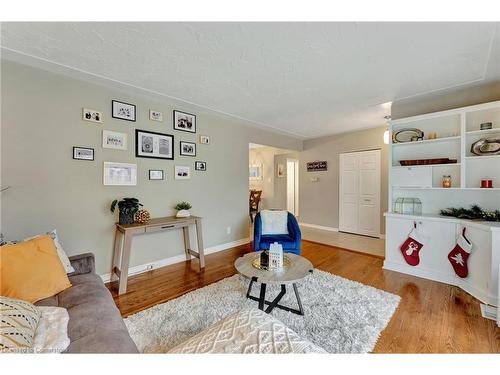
<point x="250" y="286"/>
<point x="275" y="301"/>
<point x="301" y="310"/>
<point x="262" y="298"/>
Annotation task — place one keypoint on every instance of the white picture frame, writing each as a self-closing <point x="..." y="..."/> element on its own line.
<point x="114" y="140"/>
<point x="255" y="172"/>
<point x="155" y="115"/>
<point x="204" y="139"/>
<point x="119" y="174"/>
<point x="182" y="172"/>
<point x="91" y="115"/>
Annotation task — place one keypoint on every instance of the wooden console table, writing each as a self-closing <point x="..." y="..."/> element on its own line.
<point x="123" y="243"/>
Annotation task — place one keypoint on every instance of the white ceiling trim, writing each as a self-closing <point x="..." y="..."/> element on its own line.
<point x="55" y="67"/>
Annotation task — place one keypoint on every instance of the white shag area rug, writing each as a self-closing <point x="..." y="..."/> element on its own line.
<point x="341" y="316"/>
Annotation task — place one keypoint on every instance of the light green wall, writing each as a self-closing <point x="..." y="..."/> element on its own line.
<point x="41" y="122"/>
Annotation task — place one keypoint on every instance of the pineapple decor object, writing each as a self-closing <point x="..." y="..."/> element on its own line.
<point x="142" y="216"/>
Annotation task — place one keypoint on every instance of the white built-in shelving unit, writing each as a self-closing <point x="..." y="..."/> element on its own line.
<point x="457" y="129"/>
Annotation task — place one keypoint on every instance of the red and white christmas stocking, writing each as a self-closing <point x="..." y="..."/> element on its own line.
<point x="411" y="247"/>
<point x="459" y="255"/>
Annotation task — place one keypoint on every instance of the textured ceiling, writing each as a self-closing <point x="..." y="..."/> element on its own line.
<point x="307" y="79"/>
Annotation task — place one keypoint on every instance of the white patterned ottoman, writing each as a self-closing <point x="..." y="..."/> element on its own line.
<point x="249" y="331"/>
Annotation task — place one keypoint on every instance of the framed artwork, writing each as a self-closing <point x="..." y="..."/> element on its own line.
<point x="185" y="122"/>
<point x="155" y="115"/>
<point x="200" y="165"/>
<point x="114" y="140"/>
<point x="83" y="153"/>
<point x="187" y="148"/>
<point x="120" y="174"/>
<point x="281" y="170"/>
<point x="204" y="139"/>
<point x="91" y="115"/>
<point x="154" y="145"/>
<point x="255" y="172"/>
<point x="156" y="174"/>
<point x="182" y="173"/>
<point x="122" y="111"/>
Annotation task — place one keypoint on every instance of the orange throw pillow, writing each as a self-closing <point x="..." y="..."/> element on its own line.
<point x="31" y="270"/>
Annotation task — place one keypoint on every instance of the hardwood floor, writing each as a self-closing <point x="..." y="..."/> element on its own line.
<point x="431" y="318"/>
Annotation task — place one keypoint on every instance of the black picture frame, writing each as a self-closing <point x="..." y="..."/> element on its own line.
<point x="198" y="164"/>
<point x="156" y="179"/>
<point x="181" y="152"/>
<point x="75" y="156"/>
<point x="141" y="154"/>
<point x="123" y="118"/>
<point x="180" y="128"/>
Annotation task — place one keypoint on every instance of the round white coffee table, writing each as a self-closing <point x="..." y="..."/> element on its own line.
<point x="298" y="269"/>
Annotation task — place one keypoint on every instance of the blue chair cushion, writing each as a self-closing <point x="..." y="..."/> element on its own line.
<point x="283" y="239"/>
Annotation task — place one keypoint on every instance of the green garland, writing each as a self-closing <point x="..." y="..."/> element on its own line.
<point x="474" y="213"/>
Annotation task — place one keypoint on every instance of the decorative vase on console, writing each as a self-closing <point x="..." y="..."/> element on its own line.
<point x="183" y="209"/>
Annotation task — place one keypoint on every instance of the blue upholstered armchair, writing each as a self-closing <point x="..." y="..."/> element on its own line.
<point x="291" y="242"/>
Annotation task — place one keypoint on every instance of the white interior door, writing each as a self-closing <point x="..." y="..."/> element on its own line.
<point x="292" y="186"/>
<point x="359" y="193"/>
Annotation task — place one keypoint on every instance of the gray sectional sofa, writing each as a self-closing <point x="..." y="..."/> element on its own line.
<point x="95" y="324"/>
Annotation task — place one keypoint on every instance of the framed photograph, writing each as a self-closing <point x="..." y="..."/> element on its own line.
<point x="114" y="140"/>
<point x="182" y="173"/>
<point x="83" y="153"/>
<point x="121" y="174"/>
<point x="204" y="139"/>
<point x="255" y="172"/>
<point x="187" y="148"/>
<point x="200" y="165"/>
<point x="154" y="145"/>
<point x="155" y="115"/>
<point x="281" y="170"/>
<point x="185" y="122"/>
<point x="156" y="174"/>
<point x="91" y="115"/>
<point x="122" y="111"/>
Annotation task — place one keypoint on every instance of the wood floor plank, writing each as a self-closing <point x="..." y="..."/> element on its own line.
<point x="431" y="318"/>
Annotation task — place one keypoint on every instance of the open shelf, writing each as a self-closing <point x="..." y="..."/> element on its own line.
<point x="481" y="132"/>
<point x="427" y="165"/>
<point x="427" y="141"/>
<point x="482" y="157"/>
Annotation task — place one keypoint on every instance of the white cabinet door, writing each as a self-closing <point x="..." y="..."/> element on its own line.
<point x="359" y="193"/>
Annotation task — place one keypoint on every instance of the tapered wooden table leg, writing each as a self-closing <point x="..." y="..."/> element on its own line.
<point x="122" y="288"/>
<point x="187" y="242"/>
<point x="199" y="237"/>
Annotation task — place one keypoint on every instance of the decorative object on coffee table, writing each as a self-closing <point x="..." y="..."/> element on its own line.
<point x="183" y="209"/>
<point x="297" y="269"/>
<point x="127" y="208"/>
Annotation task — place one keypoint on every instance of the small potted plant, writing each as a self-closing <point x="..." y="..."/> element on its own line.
<point x="183" y="209"/>
<point x="127" y="208"/>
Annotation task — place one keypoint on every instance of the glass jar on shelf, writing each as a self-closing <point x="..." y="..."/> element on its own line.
<point x="407" y="206"/>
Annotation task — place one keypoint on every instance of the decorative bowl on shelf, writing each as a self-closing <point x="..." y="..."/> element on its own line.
<point x="486" y="147"/>
<point x="407" y="135"/>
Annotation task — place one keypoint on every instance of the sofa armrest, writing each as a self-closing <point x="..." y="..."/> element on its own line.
<point x="82" y="263"/>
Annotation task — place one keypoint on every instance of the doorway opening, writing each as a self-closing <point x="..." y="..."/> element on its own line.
<point x="273" y="179"/>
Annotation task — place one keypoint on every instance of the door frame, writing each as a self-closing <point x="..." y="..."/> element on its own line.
<point x="379" y="151"/>
<point x="296" y="185"/>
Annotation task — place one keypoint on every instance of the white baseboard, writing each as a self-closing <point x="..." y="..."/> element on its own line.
<point x="176" y="259"/>
<point x="330" y="229"/>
